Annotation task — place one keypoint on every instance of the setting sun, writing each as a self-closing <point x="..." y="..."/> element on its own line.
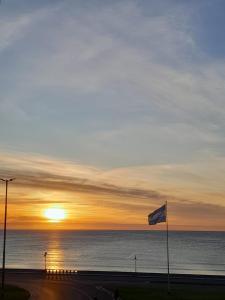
<point x="55" y="214"/>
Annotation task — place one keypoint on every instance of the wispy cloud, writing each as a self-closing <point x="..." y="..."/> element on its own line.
<point x="43" y="181"/>
<point x="15" y="27"/>
<point x="37" y="172"/>
<point x="121" y="62"/>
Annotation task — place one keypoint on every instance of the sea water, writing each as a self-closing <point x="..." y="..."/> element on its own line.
<point x="190" y="252"/>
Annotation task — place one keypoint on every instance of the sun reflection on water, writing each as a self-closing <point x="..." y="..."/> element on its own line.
<point x="55" y="257"/>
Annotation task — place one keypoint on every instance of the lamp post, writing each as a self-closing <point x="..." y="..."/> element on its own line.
<point x="135" y="263"/>
<point x="45" y="256"/>
<point x="5" y="223"/>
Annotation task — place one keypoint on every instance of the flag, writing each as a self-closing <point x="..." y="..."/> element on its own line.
<point x="157" y="216"/>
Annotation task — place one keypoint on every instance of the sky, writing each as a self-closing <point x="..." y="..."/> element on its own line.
<point x="110" y="108"/>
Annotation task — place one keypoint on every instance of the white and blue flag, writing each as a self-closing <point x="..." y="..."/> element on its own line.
<point x="157" y="216"/>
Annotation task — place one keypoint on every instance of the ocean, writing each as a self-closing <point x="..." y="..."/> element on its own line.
<point x="190" y="252"/>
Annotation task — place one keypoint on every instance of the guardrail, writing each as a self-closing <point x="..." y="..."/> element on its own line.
<point x="60" y="272"/>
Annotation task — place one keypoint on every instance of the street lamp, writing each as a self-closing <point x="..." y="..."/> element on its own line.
<point x="45" y="256"/>
<point x="135" y="263"/>
<point x="4" y="240"/>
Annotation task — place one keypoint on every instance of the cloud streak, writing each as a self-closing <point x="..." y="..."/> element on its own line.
<point x="42" y="173"/>
<point x="44" y="181"/>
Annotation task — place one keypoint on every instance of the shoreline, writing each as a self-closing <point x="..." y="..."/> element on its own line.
<point x="116" y="230"/>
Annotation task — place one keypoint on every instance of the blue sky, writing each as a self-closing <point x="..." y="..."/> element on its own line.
<point x="114" y="84"/>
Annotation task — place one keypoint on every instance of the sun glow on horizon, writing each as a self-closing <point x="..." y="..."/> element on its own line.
<point x="55" y="214"/>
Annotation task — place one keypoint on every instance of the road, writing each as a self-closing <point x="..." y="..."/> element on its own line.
<point x="58" y="287"/>
<point x="87" y="285"/>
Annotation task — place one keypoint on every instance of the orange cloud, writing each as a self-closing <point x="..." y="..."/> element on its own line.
<point x="96" y="198"/>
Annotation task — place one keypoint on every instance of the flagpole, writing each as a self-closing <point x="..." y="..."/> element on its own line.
<point x="167" y="244"/>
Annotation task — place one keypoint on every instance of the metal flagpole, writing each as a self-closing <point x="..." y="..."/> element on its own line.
<point x="167" y="244"/>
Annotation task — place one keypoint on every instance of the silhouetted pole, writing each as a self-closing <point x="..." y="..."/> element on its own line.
<point x="45" y="256"/>
<point x="135" y="264"/>
<point x="168" y="255"/>
<point x="5" y="223"/>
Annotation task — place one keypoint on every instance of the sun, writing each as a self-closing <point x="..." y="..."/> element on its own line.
<point x="55" y="214"/>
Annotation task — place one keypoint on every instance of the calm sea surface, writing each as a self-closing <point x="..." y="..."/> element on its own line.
<point x="190" y="252"/>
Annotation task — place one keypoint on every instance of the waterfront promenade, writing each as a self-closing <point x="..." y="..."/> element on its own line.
<point x="85" y="285"/>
